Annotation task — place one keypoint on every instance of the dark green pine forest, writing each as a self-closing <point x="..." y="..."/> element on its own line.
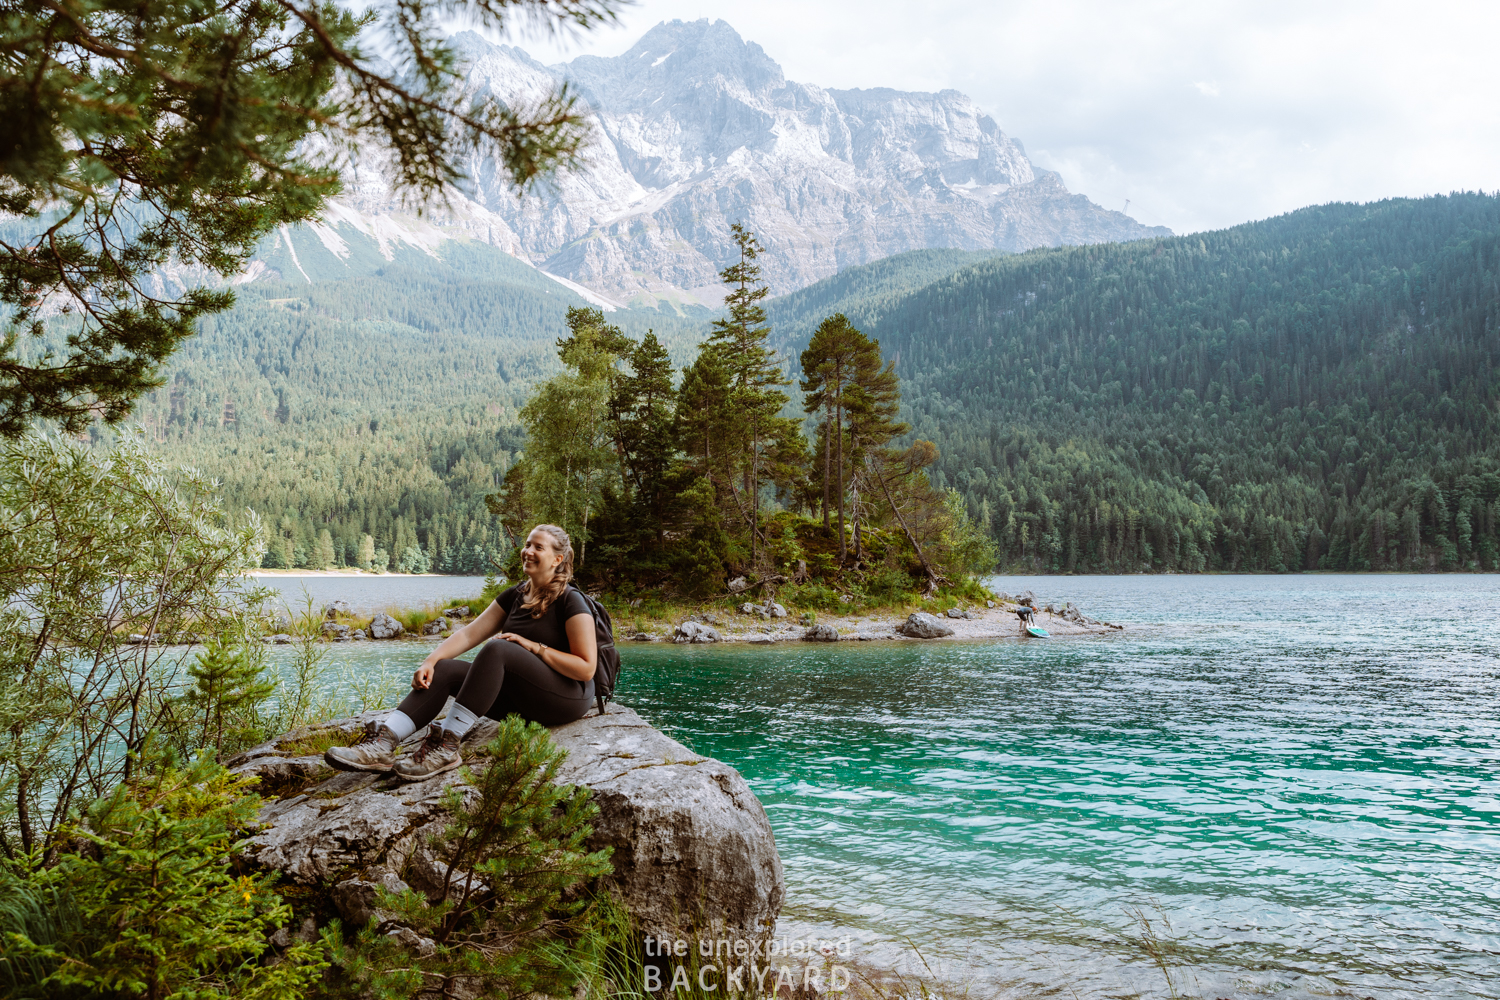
<point x="1314" y="391"/>
<point x="378" y="399"/>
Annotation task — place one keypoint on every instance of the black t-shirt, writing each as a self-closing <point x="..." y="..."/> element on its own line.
<point x="549" y="627"/>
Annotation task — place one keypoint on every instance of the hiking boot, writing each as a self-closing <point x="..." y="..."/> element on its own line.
<point x="438" y="753"/>
<point x="376" y="752"/>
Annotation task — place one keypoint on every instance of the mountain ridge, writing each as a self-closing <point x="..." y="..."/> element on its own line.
<point x="1319" y="390"/>
<point x="699" y="128"/>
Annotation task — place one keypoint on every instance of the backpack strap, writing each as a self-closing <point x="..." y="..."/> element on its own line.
<point x="599" y="698"/>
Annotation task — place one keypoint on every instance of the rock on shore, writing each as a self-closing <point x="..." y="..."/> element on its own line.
<point x="983" y="620"/>
<point x="924" y="626"/>
<point x="693" y="851"/>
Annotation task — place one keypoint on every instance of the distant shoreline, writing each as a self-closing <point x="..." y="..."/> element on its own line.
<point x="998" y="622"/>
<point x="352" y="574"/>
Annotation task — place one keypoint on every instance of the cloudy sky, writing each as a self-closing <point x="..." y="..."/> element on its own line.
<point x="1203" y="114"/>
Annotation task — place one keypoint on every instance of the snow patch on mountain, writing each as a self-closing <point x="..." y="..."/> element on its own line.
<point x="697" y="129"/>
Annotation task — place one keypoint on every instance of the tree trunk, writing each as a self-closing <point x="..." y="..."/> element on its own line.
<point x="932" y="577"/>
<point x="827" y="456"/>
<point x="854" y="513"/>
<point x="23" y="810"/>
<point x="754" y="491"/>
<point x="840" y="428"/>
<point x="583" y="541"/>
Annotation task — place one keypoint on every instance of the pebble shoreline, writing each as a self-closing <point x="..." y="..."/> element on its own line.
<point x="998" y="622"/>
<point x="752" y="624"/>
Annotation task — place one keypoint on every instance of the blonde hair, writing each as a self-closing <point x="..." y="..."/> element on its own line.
<point x="539" y="599"/>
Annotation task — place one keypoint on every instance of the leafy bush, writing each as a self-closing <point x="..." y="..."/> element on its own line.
<point x="812" y="595"/>
<point x="95" y="546"/>
<point x="148" y="903"/>
<point x="889" y="585"/>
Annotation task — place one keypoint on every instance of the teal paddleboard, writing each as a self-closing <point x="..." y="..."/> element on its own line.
<point x="1037" y="632"/>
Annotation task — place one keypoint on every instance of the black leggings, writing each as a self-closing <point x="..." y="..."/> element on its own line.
<point x="503" y="679"/>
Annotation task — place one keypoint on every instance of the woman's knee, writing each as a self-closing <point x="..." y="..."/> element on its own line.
<point x="495" y="653"/>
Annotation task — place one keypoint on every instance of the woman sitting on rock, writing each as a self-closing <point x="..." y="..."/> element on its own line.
<point x="541" y="668"/>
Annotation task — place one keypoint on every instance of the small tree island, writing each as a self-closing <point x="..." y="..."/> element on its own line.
<point x="710" y="488"/>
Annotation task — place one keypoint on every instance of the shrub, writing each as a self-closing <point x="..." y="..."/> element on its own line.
<point x="221" y="711"/>
<point x="512" y="921"/>
<point x="812" y="595"/>
<point x="889" y="585"/>
<point x="148" y="904"/>
<point x="95" y="546"/>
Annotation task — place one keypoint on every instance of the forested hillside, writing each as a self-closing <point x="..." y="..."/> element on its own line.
<point x="1317" y="390"/>
<point x="1313" y="391"/>
<point x="863" y="293"/>
<point x="381" y="403"/>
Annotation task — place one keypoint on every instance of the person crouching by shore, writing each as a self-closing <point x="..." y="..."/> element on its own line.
<point x="541" y="667"/>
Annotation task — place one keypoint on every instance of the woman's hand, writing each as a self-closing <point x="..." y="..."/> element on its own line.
<point x="422" y="678"/>
<point x="460" y="642"/>
<point x="534" y="648"/>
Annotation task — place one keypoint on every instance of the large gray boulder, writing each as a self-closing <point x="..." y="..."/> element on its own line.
<point x="383" y="626"/>
<point x="336" y="609"/>
<point x="691" y="631"/>
<point x="694" y="855"/>
<point x="821" y="633"/>
<point x="924" y="626"/>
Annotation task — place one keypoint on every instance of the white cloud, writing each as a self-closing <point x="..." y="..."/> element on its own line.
<point x="1202" y="114"/>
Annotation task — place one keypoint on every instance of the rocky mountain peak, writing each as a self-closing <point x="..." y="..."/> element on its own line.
<point x="675" y="53"/>
<point x="698" y="128"/>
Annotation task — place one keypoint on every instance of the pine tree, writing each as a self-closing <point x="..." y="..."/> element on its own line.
<point x="872" y="400"/>
<point x="755" y="377"/>
<point x="154" y="906"/>
<point x="508" y="506"/>
<point x="647" y="436"/>
<point x="511" y="921"/>
<point x="143" y="134"/>
<point x="703" y="415"/>
<point x="827" y="367"/>
<point x="229" y="684"/>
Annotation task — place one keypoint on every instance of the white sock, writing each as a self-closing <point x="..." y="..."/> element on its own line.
<point x="459" y="720"/>
<point x="400" y="723"/>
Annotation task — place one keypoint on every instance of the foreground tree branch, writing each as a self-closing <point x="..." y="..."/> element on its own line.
<point x="161" y="134"/>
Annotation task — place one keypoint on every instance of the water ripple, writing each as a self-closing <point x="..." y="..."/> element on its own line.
<point x="1301" y="774"/>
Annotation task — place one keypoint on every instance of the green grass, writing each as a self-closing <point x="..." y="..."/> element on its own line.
<point x="317" y="742"/>
<point x="45" y="917"/>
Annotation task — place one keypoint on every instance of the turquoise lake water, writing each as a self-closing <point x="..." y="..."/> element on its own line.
<point x="1300" y="775"/>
